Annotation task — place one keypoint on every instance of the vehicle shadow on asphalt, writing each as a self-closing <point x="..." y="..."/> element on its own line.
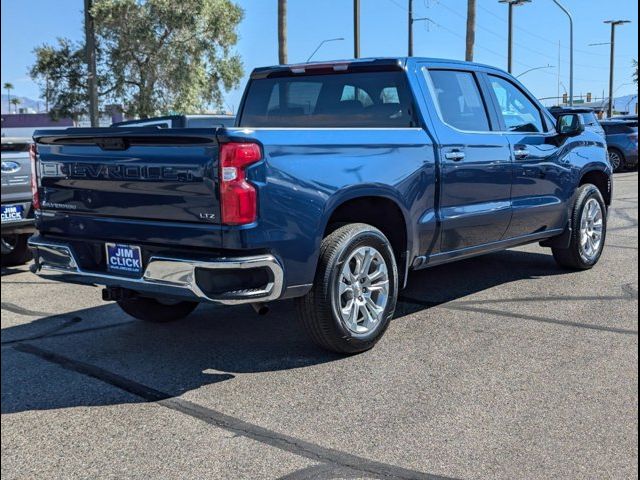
<point x="212" y="345"/>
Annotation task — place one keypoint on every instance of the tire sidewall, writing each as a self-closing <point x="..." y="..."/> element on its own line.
<point x="591" y="192"/>
<point x="371" y="238"/>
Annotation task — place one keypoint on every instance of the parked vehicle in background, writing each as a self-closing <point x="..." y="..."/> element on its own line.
<point x="622" y="143"/>
<point x="181" y="121"/>
<point x="17" y="212"/>
<point x="588" y="115"/>
<point x="626" y="118"/>
<point x="339" y="179"/>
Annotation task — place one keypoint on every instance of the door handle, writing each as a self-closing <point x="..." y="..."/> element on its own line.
<point x="455" y="155"/>
<point x="521" y="153"/>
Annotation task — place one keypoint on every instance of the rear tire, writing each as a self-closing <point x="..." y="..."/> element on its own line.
<point x="589" y="231"/>
<point x="17" y="251"/>
<point x="151" y="310"/>
<point x="355" y="290"/>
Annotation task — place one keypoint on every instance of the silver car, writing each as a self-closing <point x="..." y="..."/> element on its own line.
<point x="17" y="211"/>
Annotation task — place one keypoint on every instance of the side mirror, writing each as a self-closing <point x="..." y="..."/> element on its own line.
<point x="570" y="125"/>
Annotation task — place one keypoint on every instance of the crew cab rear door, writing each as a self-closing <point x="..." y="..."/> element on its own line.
<point x="475" y="159"/>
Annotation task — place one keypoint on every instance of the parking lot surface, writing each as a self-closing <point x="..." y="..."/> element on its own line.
<point x="503" y="366"/>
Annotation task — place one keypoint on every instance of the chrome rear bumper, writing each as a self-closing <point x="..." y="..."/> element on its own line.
<point x="163" y="276"/>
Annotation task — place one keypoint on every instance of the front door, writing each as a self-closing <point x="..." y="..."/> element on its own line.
<point x="476" y="166"/>
<point x="540" y="177"/>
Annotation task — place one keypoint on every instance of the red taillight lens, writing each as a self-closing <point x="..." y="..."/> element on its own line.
<point x="238" y="198"/>
<point x="33" y="151"/>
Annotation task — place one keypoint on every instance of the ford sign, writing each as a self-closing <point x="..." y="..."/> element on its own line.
<point x="10" y="167"/>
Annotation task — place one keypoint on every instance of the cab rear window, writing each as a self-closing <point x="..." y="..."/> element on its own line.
<point x="366" y="100"/>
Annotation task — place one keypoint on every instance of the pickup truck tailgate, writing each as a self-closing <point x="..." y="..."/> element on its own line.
<point x="137" y="173"/>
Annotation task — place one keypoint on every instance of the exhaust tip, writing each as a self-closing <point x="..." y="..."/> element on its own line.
<point x="261" y="308"/>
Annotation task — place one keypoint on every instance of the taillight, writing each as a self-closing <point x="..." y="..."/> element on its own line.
<point x="33" y="151"/>
<point x="238" y="198"/>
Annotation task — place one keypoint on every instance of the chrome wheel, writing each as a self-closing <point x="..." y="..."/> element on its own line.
<point x="615" y="159"/>
<point x="363" y="291"/>
<point x="591" y="230"/>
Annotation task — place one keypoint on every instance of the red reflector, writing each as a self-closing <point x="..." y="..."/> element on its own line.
<point x="35" y="195"/>
<point x="238" y="197"/>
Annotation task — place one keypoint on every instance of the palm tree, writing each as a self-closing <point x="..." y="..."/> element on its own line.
<point x="635" y="74"/>
<point x="8" y="87"/>
<point x="282" y="32"/>
<point x="471" y="30"/>
<point x="15" y="101"/>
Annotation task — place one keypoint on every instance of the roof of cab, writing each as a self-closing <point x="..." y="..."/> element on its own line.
<point x="361" y="64"/>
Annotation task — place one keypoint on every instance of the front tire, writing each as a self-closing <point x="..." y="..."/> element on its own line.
<point x="589" y="225"/>
<point x="15" y="250"/>
<point x="355" y="290"/>
<point x="152" y="310"/>
<point x="617" y="160"/>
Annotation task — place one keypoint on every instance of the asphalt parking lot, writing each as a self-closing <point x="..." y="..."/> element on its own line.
<point x="497" y="367"/>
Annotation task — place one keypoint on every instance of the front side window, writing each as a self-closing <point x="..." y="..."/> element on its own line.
<point x="459" y="100"/>
<point x="519" y="113"/>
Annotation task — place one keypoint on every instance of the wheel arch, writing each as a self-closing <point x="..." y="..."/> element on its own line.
<point x="380" y="209"/>
<point x="602" y="180"/>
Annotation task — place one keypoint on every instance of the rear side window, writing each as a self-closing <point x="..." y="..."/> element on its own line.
<point x="520" y="114"/>
<point x="618" y="129"/>
<point x="347" y="100"/>
<point x="459" y="100"/>
<point x="15" y="147"/>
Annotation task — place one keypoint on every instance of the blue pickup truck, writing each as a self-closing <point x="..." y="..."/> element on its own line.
<point x="337" y="180"/>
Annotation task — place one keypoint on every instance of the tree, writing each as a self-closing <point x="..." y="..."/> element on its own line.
<point x="282" y="32"/>
<point x="635" y="74"/>
<point x="471" y="30"/>
<point x="15" y="102"/>
<point x="155" y="56"/>
<point x="8" y="87"/>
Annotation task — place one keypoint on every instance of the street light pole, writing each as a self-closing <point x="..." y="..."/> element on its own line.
<point x="512" y="4"/>
<point x="534" y="69"/>
<point x="410" y="28"/>
<point x="356" y="28"/>
<point x="612" y="62"/>
<point x="571" y="70"/>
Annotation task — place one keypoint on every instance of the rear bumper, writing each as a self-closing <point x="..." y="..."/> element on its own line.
<point x="22" y="226"/>
<point x="163" y="276"/>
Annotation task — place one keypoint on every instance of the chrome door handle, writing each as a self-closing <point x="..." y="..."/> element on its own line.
<point x="521" y="153"/>
<point x="456" y="156"/>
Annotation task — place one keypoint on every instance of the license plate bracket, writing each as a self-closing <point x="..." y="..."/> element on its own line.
<point x="124" y="259"/>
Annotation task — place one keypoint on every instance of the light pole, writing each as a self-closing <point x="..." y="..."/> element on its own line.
<point x="534" y="69"/>
<point x="612" y="61"/>
<point x="322" y="43"/>
<point x="571" y="78"/>
<point x="356" y="28"/>
<point x="512" y="4"/>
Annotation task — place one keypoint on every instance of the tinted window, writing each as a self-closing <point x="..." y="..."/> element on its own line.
<point x="520" y="114"/>
<point x="590" y="119"/>
<point x="15" y="147"/>
<point x="616" y="129"/>
<point x="459" y="100"/>
<point x="380" y="99"/>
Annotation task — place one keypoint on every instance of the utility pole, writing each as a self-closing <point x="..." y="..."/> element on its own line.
<point x="512" y="4"/>
<point x="612" y="61"/>
<point x="90" y="45"/>
<point x="282" y="32"/>
<point x="471" y="30"/>
<point x="356" y="28"/>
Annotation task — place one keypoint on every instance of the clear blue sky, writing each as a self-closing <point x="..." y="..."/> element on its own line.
<point x="540" y="26"/>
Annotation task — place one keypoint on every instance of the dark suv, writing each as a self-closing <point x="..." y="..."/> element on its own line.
<point x="622" y="143"/>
